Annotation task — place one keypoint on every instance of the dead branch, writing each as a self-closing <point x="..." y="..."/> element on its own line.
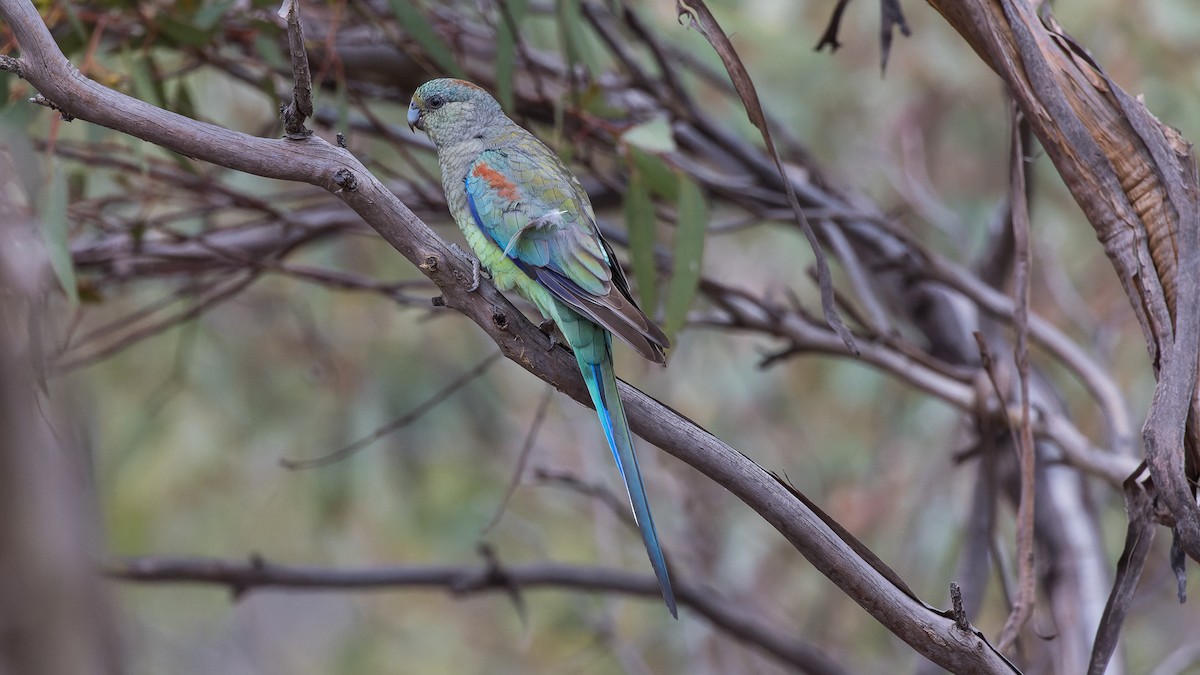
<point x="258" y="574"/>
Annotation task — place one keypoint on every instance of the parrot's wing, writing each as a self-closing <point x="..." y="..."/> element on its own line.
<point x="535" y="211"/>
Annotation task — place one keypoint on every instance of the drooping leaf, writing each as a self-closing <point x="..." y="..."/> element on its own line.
<point x="77" y="182"/>
<point x="640" y="221"/>
<point x="207" y="16"/>
<point x="565" y="150"/>
<point x="574" y="36"/>
<point x="659" y="179"/>
<point x="73" y="19"/>
<point x="688" y="253"/>
<point x="564" y="15"/>
<point x="268" y="50"/>
<point x="652" y="136"/>
<point x="5" y="87"/>
<point x="184" y="104"/>
<point x="421" y="30"/>
<point x="52" y="211"/>
<point x="142" y="79"/>
<point x="342" y="104"/>
<point x="508" y="23"/>
<point x="183" y="33"/>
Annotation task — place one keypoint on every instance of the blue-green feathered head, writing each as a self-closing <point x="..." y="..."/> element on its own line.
<point x="451" y="110"/>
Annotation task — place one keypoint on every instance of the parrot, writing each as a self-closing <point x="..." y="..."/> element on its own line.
<point x="530" y="224"/>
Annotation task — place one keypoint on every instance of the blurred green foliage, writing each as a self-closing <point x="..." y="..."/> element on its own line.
<point x="189" y="427"/>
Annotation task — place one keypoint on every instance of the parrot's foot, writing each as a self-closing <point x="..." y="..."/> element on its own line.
<point x="474" y="267"/>
<point x="474" y="275"/>
<point x="547" y="327"/>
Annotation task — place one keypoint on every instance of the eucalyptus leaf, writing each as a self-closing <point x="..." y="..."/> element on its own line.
<point x="183" y="33"/>
<point x="206" y="17"/>
<point x="574" y="39"/>
<point x="184" y="103"/>
<point x="640" y="221"/>
<point x="52" y="210"/>
<point x="652" y="136"/>
<point x="341" y="102"/>
<point x="688" y="253"/>
<point x="421" y="30"/>
<point x="660" y="179"/>
<point x="268" y="49"/>
<point x="5" y="88"/>
<point x="508" y="23"/>
<point x="141" y="76"/>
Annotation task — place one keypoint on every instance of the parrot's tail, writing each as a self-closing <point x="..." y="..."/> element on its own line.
<point x="602" y="385"/>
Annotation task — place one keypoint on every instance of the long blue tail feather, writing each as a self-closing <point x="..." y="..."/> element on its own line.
<point x="602" y="385"/>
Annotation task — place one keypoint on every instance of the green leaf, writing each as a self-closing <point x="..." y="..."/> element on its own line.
<point x="566" y="14"/>
<point x="206" y="17"/>
<point x="142" y="79"/>
<point x="688" y="253"/>
<point x="183" y="33"/>
<point x="511" y="13"/>
<point x="640" y="221"/>
<point x="268" y="50"/>
<point x="73" y="19"/>
<point x="574" y="38"/>
<point x="5" y="88"/>
<point x="660" y="179"/>
<point x="652" y="136"/>
<point x="77" y="184"/>
<point x="52" y="210"/>
<point x="341" y="103"/>
<point x="422" y="31"/>
<point x="184" y="104"/>
<point x="566" y="151"/>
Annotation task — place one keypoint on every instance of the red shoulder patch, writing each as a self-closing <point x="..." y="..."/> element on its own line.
<point x="497" y="181"/>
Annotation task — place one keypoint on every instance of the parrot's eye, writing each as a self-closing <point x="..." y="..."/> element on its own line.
<point x="436" y="101"/>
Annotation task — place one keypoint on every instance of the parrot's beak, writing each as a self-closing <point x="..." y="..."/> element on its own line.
<point x="414" y="117"/>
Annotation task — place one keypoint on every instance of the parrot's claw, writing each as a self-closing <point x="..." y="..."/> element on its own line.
<point x="474" y="267"/>
<point x="547" y="327"/>
<point x="474" y="276"/>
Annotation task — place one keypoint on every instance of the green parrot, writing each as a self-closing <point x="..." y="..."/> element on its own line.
<point x="530" y="224"/>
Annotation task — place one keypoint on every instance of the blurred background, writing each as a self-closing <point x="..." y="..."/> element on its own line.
<point x="191" y="377"/>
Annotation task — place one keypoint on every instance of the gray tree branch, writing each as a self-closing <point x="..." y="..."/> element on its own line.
<point x="242" y="577"/>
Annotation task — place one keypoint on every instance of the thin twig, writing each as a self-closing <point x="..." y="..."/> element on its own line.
<point x="227" y="291"/>
<point x="398" y="423"/>
<point x="575" y="483"/>
<point x="526" y="448"/>
<point x="1026" y="573"/>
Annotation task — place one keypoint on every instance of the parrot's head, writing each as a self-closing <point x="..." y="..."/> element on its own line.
<point x="451" y="110"/>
